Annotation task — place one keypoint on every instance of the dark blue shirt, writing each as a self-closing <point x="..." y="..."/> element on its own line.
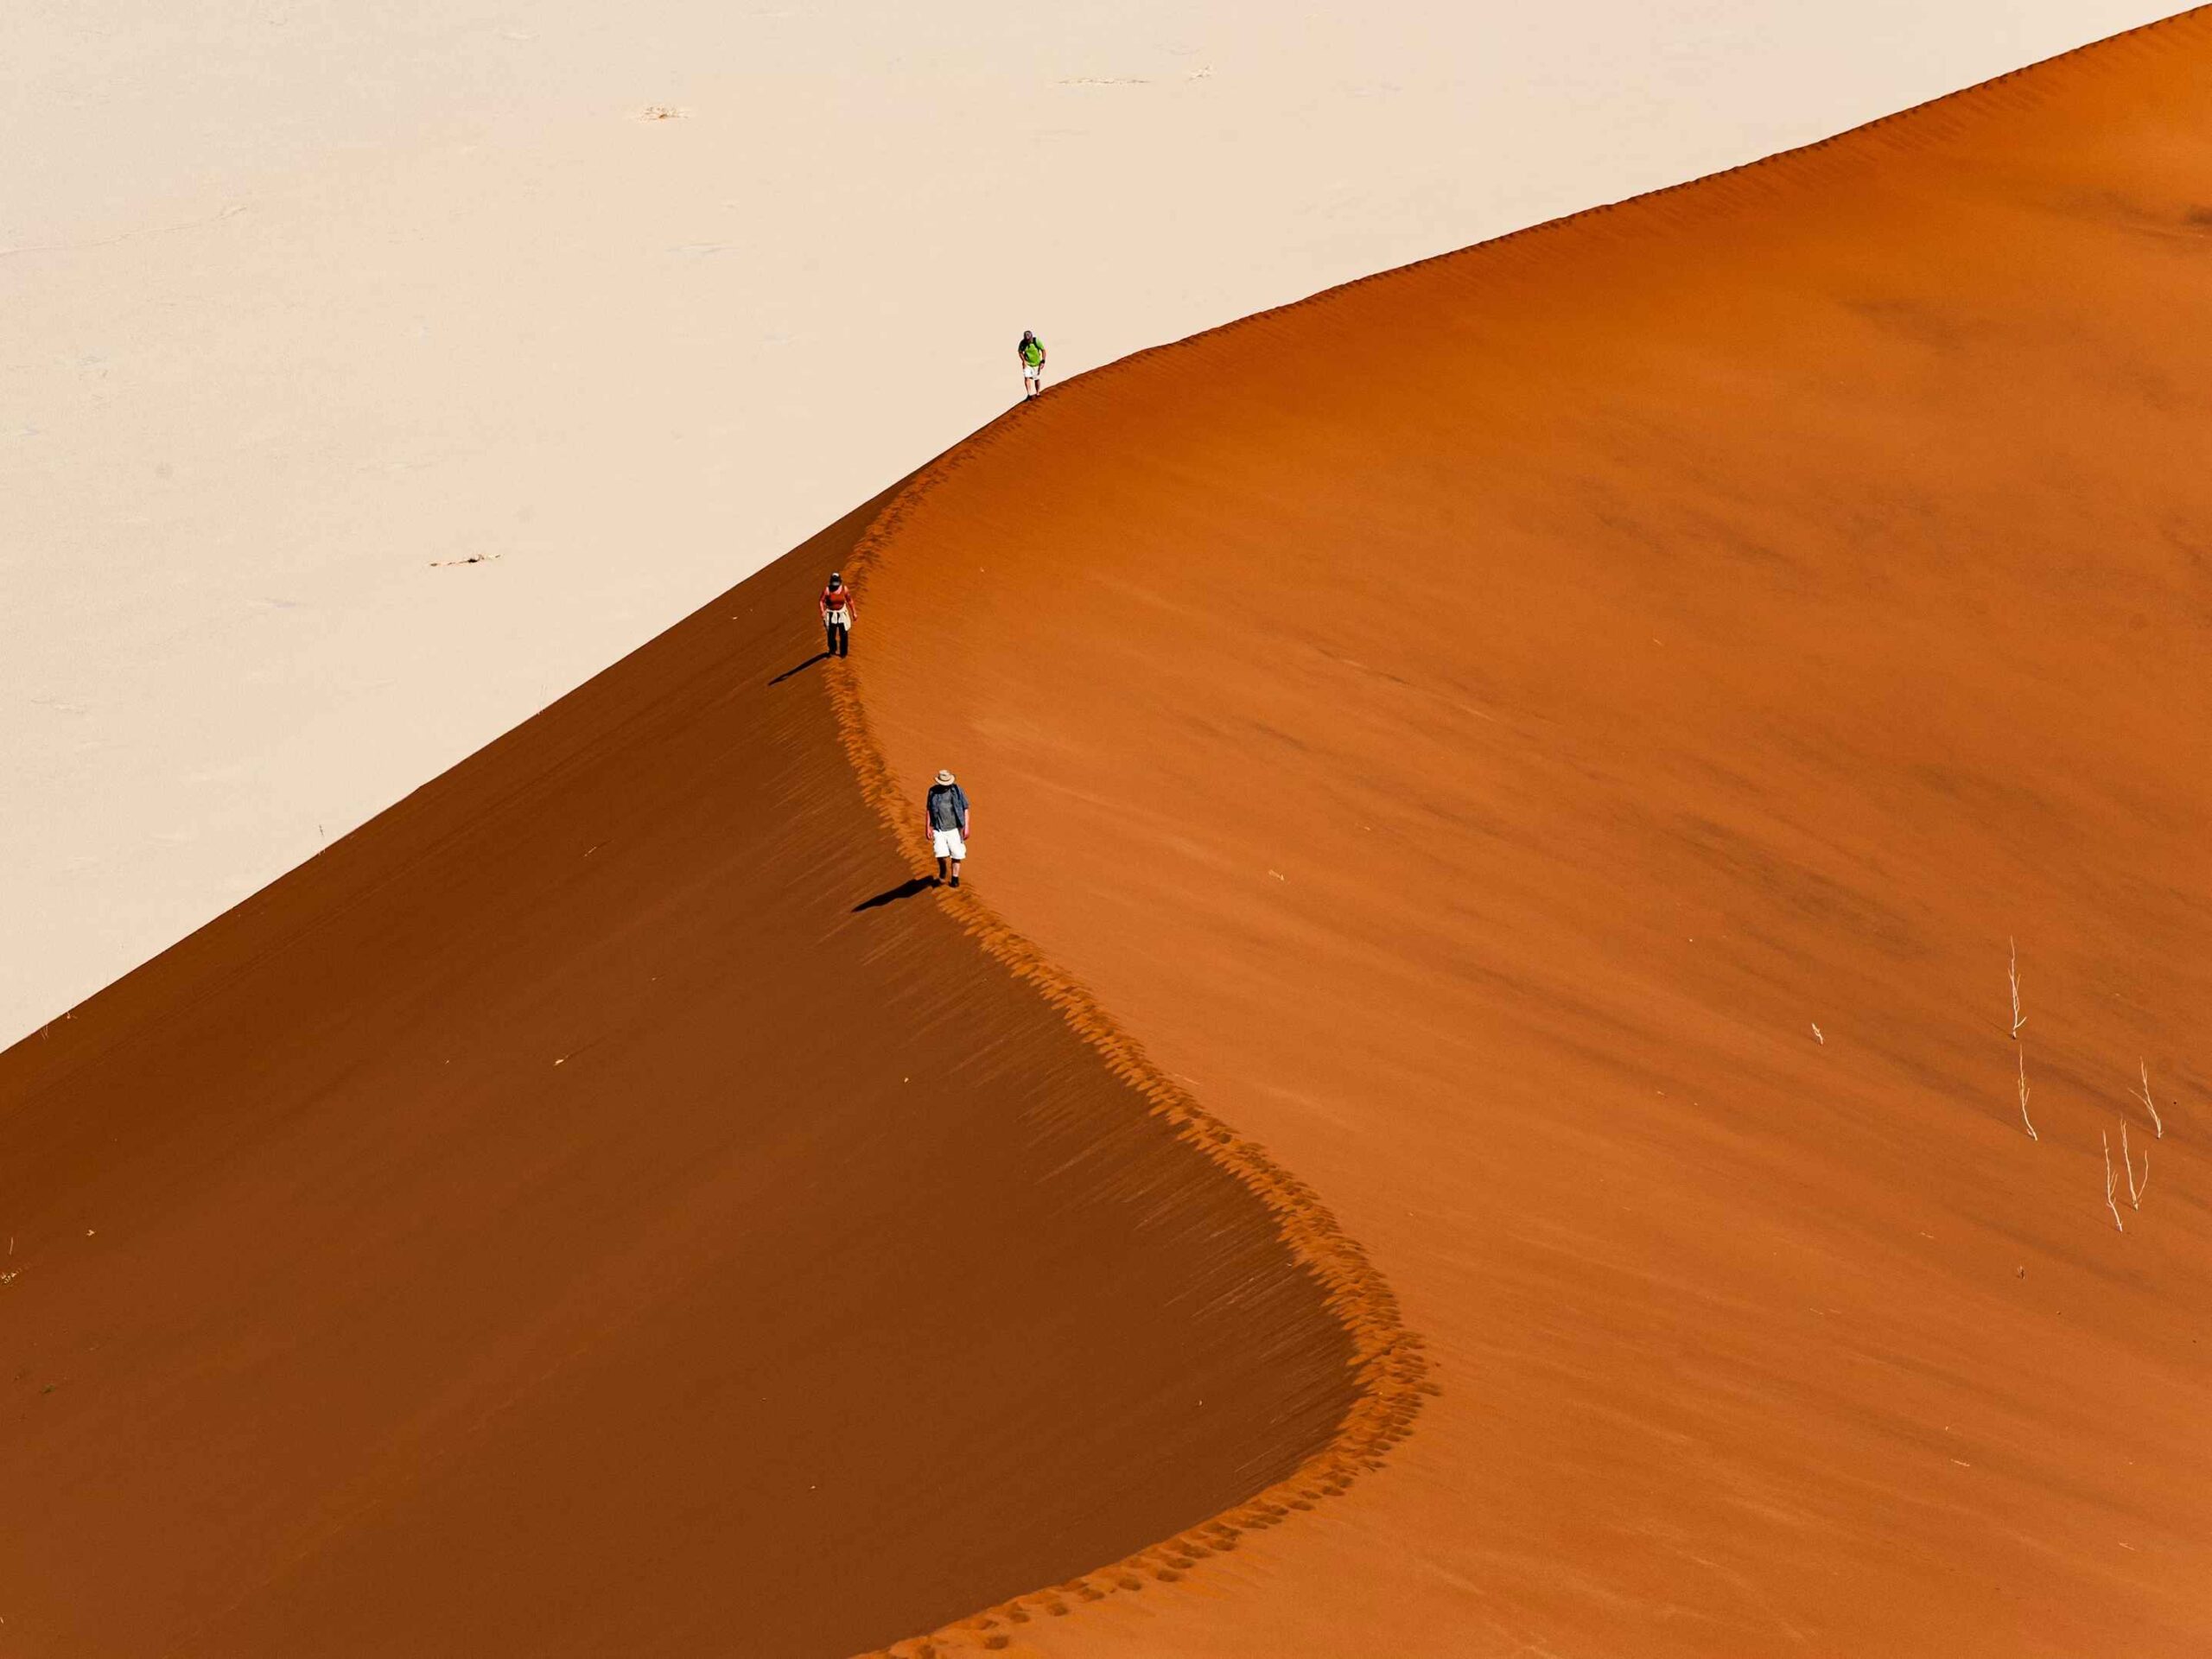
<point x="948" y="806"/>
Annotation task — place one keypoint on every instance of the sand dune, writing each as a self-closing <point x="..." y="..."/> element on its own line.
<point x="300" y="303"/>
<point x="570" y="1216"/>
<point x="1550" y="745"/>
<point x="1553" y="742"/>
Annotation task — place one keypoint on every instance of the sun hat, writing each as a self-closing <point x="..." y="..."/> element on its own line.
<point x="944" y="777"/>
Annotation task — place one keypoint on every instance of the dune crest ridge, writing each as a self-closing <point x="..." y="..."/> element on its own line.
<point x="599" y="1206"/>
<point x="1390" y="1370"/>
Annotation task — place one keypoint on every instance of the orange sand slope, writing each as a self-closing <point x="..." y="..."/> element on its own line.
<point x="567" y="1218"/>
<point x="1553" y="742"/>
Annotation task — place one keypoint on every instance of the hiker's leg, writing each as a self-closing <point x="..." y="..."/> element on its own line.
<point x="829" y="640"/>
<point x="844" y="642"/>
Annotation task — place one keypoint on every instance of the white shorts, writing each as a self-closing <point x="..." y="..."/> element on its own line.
<point x="1033" y="371"/>
<point x="949" y="844"/>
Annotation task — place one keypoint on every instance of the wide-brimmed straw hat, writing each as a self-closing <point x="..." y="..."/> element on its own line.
<point x="944" y="777"/>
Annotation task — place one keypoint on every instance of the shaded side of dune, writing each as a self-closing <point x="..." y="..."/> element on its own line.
<point x="1557" y="742"/>
<point x="602" y="1206"/>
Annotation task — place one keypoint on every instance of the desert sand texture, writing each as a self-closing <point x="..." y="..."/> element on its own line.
<point x="306" y="304"/>
<point x="603" y="1206"/>
<point x="1554" y="743"/>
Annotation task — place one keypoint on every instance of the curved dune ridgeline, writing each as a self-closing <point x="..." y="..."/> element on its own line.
<point x="1553" y="742"/>
<point x="1557" y="744"/>
<point x="567" y="1217"/>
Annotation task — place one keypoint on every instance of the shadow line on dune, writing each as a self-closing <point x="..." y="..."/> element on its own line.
<point x="1391" y="1368"/>
<point x="905" y="889"/>
<point x="800" y="668"/>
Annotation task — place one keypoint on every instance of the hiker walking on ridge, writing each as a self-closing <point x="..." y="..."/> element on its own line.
<point x="1032" y="353"/>
<point x="837" y="617"/>
<point x="947" y="808"/>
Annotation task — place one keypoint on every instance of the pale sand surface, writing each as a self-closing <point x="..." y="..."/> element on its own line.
<point x="297" y="299"/>
<point x="1568" y="795"/>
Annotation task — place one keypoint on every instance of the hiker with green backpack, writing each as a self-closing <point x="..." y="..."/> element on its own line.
<point x="1032" y="353"/>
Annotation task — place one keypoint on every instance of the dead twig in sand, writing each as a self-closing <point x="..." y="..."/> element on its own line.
<point x="2157" y="1123"/>
<point x="1817" y="1038"/>
<point x="2018" y="1018"/>
<point x="2111" y="1185"/>
<point x="2021" y="1054"/>
<point x="2135" y="1189"/>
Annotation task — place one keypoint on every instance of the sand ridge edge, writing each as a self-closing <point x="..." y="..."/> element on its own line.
<point x="558" y="1274"/>
<point x="1392" y="1371"/>
<point x="2013" y="89"/>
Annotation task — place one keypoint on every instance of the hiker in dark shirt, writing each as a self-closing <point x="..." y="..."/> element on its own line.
<point x="947" y="807"/>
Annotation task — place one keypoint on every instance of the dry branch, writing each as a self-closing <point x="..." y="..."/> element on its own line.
<point x="2018" y="1018"/>
<point x="2021" y="1054"/>
<point x="2135" y="1189"/>
<point x="2151" y="1105"/>
<point x="2110" y="1184"/>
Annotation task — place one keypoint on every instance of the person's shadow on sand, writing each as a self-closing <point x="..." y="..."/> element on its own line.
<point x="905" y="889"/>
<point x="819" y="656"/>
